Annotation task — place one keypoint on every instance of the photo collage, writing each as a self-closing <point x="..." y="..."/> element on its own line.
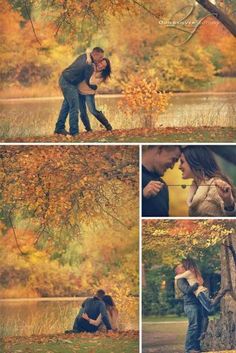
<point x="118" y="176"/>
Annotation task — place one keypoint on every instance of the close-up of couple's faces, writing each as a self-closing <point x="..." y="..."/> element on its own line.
<point x="203" y="173"/>
<point x="166" y="158"/>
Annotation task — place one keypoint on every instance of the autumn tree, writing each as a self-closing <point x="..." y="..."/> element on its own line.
<point x="221" y="332"/>
<point x="71" y="210"/>
<point x="60" y="187"/>
<point x="142" y="96"/>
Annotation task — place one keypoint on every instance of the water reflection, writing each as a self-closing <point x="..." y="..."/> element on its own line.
<point x="24" y="318"/>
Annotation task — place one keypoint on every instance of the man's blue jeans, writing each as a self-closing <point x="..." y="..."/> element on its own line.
<point x="194" y="316"/>
<point x="70" y="105"/>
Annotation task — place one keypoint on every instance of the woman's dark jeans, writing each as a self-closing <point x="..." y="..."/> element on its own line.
<point x="206" y="302"/>
<point x="89" y="100"/>
<point x="194" y="315"/>
<point x="70" y="105"/>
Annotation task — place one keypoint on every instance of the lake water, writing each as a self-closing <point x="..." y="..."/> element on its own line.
<point x="37" y="117"/>
<point x="28" y="317"/>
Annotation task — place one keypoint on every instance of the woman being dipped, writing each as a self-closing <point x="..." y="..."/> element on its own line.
<point x="87" y="90"/>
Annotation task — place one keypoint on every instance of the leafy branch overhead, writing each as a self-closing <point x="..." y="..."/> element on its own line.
<point x="169" y="242"/>
<point x="62" y="187"/>
<point x="69" y="18"/>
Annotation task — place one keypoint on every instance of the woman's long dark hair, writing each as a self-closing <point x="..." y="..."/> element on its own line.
<point x="203" y="164"/>
<point x="109" y="302"/>
<point x="106" y="73"/>
<point x="189" y="264"/>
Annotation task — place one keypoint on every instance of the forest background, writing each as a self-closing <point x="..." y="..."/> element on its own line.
<point x="39" y="39"/>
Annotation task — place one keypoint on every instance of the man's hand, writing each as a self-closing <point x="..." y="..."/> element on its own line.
<point x="85" y="316"/>
<point x="225" y="192"/>
<point x="152" y="189"/>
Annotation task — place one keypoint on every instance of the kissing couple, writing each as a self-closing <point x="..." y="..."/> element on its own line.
<point x="211" y="194"/>
<point x="78" y="83"/>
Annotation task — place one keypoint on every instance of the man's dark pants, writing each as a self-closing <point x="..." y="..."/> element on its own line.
<point x="70" y="105"/>
<point x="194" y="315"/>
<point x="82" y="325"/>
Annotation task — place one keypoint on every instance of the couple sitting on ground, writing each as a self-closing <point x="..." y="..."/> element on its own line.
<point x="96" y="313"/>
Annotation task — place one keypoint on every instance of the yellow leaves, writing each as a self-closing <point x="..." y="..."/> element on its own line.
<point x="58" y="184"/>
<point x="141" y="95"/>
<point x="170" y="241"/>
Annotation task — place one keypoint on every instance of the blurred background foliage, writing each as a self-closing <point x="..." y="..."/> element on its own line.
<point x="137" y="42"/>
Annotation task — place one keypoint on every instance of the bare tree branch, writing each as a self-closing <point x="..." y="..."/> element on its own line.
<point x="31" y="22"/>
<point x="219" y="15"/>
<point x="145" y="8"/>
<point x="14" y="233"/>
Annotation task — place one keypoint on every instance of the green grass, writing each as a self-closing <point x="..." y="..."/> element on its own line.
<point x="170" y="318"/>
<point x="86" y="345"/>
<point x="164" y="338"/>
<point x="166" y="318"/>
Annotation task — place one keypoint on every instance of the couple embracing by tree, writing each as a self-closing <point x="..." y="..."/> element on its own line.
<point x="197" y="303"/>
<point x="79" y="83"/>
<point x="97" y="313"/>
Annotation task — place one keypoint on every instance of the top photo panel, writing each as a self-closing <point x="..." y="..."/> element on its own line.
<point x="118" y="71"/>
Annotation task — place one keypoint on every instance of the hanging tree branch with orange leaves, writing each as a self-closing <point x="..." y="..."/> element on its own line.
<point x="63" y="187"/>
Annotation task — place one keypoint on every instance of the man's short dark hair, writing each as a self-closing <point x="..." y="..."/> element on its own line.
<point x="100" y="293"/>
<point x="98" y="50"/>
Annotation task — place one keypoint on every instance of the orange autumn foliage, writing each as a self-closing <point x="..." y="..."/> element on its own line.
<point x="142" y="95"/>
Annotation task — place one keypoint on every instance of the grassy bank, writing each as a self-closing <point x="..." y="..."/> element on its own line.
<point x="203" y="134"/>
<point x="164" y="337"/>
<point x="84" y="343"/>
<point x="167" y="318"/>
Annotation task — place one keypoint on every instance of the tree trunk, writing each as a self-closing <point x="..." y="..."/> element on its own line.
<point x="219" y="15"/>
<point x="221" y="333"/>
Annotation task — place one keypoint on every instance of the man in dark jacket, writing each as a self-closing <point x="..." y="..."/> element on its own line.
<point x="77" y="72"/>
<point x="193" y="310"/>
<point x="93" y="307"/>
<point x="155" y="196"/>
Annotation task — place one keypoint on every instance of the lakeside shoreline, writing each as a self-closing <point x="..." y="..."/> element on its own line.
<point x="111" y="95"/>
